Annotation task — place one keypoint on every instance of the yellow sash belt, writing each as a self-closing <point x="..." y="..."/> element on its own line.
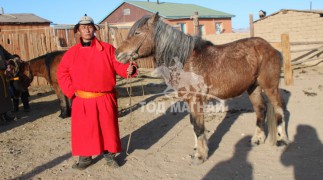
<point x="88" y="95"/>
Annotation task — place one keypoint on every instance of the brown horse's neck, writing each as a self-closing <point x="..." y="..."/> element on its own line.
<point x="38" y="67"/>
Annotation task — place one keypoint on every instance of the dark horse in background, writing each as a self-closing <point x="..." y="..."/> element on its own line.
<point x="19" y="76"/>
<point x="228" y="70"/>
<point x="46" y="66"/>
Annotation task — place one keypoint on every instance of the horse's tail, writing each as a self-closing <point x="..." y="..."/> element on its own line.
<point x="272" y="123"/>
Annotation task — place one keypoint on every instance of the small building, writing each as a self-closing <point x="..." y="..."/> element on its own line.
<point x="305" y="30"/>
<point x="25" y="34"/>
<point x="180" y="15"/>
<point x="301" y="25"/>
<point x="21" y="22"/>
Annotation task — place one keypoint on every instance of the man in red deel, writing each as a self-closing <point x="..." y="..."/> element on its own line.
<point x="87" y="74"/>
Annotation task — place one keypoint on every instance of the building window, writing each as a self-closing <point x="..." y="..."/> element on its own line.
<point x="218" y="28"/>
<point x="202" y="30"/>
<point x="126" y="12"/>
<point x="182" y="27"/>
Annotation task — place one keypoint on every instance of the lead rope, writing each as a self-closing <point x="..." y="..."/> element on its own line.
<point x="129" y="91"/>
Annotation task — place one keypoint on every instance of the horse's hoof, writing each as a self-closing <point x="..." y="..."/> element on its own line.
<point x="197" y="161"/>
<point x="255" y="143"/>
<point x="256" y="140"/>
<point x="282" y="143"/>
<point x="64" y="115"/>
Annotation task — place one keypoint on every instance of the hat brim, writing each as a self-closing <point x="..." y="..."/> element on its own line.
<point x="76" y="27"/>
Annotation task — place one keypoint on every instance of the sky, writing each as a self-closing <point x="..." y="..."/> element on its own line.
<point x="70" y="11"/>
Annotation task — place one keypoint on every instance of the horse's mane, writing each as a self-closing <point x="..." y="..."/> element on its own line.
<point x="170" y="42"/>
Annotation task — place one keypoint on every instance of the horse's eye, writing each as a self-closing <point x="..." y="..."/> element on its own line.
<point x="137" y="33"/>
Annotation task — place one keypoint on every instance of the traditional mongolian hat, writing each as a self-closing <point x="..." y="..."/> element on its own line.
<point x="85" y="20"/>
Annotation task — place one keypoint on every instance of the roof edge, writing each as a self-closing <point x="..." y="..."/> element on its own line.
<point x="114" y="9"/>
<point x="304" y="11"/>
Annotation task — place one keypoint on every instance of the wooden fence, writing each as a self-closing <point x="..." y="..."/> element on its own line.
<point x="34" y="42"/>
<point x="29" y="43"/>
<point x="307" y="53"/>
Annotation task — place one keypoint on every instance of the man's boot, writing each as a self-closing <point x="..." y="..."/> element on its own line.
<point x="110" y="158"/>
<point x="83" y="163"/>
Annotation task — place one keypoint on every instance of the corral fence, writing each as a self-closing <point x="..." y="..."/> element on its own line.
<point x="298" y="55"/>
<point x="34" y="42"/>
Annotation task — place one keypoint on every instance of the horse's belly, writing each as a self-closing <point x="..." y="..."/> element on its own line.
<point x="228" y="90"/>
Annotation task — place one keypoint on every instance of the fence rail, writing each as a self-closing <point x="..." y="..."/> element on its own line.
<point x="307" y="52"/>
<point x="31" y="43"/>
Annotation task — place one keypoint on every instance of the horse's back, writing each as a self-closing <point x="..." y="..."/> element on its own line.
<point x="230" y="69"/>
<point x="246" y="44"/>
<point x="46" y="65"/>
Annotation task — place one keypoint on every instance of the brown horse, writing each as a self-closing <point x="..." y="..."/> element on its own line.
<point x="46" y="66"/>
<point x="228" y="70"/>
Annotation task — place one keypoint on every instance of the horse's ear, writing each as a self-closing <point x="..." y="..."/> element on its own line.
<point x="153" y="19"/>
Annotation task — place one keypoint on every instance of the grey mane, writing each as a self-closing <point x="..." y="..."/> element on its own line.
<point x="170" y="43"/>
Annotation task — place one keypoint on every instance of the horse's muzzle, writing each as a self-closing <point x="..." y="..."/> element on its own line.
<point x="122" y="57"/>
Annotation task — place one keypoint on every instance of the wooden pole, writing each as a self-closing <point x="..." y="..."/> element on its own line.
<point x="106" y="31"/>
<point x="196" y="24"/>
<point x="252" y="29"/>
<point x="288" y="71"/>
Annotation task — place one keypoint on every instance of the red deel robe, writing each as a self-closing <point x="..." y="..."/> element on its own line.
<point x="94" y="125"/>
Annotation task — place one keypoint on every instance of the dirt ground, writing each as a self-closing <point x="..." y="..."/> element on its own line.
<point x="37" y="144"/>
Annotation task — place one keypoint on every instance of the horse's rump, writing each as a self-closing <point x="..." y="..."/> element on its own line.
<point x="236" y="66"/>
<point x="46" y="66"/>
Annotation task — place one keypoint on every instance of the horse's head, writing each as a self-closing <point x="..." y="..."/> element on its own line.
<point x="140" y="40"/>
<point x="19" y="75"/>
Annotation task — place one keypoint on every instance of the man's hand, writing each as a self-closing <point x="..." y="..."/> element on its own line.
<point x="130" y="69"/>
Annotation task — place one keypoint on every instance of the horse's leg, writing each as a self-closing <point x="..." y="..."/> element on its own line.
<point x="64" y="104"/>
<point x="259" y="107"/>
<point x="197" y="119"/>
<point x="276" y="121"/>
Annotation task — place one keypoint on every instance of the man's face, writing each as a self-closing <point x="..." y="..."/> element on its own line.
<point x="87" y="32"/>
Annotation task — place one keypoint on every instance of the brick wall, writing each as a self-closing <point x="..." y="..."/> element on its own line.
<point x="209" y="25"/>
